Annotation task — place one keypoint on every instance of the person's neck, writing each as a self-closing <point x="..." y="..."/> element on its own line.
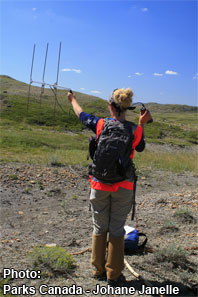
<point x="120" y="118"/>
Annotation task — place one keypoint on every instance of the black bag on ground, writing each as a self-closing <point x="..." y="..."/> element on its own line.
<point x="111" y="159"/>
<point x="131" y="242"/>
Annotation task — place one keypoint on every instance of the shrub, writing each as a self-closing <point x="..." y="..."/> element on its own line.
<point x="13" y="177"/>
<point x="169" y="226"/>
<point x="184" y="215"/>
<point x="54" y="160"/>
<point x="173" y="254"/>
<point x="53" y="258"/>
<point x="5" y="282"/>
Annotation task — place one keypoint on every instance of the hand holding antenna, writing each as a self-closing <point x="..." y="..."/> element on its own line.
<point x="70" y="96"/>
<point x="76" y="107"/>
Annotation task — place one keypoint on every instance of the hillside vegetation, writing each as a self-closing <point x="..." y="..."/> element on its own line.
<point x="48" y="129"/>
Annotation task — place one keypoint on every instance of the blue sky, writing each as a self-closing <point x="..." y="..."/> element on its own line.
<point x="149" y="46"/>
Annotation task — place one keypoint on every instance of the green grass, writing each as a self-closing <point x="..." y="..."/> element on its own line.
<point x="159" y="131"/>
<point x="16" y="110"/>
<point x="168" y="227"/>
<point x="55" y="259"/>
<point x="27" y="138"/>
<point x="5" y="282"/>
<point x="61" y="139"/>
<point x="33" y="144"/>
<point x="184" y="215"/>
<point x="174" y="124"/>
<point x="176" y="162"/>
<point x="171" y="128"/>
<point x="172" y="254"/>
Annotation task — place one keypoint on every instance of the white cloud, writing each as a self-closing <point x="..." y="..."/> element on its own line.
<point x="66" y="69"/>
<point x="95" y="92"/>
<point x="82" y="89"/>
<point x="157" y="74"/>
<point x="34" y="8"/>
<point x="196" y="76"/>
<point x="129" y="76"/>
<point x="76" y="70"/>
<point x="145" y="9"/>
<point x="170" y="72"/>
<point x="69" y="69"/>
<point x="139" y="73"/>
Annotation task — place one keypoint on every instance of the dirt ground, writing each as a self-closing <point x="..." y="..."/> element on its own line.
<point x="49" y="205"/>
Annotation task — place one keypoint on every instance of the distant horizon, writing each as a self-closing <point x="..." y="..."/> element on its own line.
<point x="147" y="102"/>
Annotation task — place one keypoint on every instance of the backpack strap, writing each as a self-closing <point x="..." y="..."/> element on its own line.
<point x="133" y="195"/>
<point x="99" y="127"/>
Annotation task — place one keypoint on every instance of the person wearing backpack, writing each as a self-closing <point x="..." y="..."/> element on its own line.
<point x="111" y="179"/>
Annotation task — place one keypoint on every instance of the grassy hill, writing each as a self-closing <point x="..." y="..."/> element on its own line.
<point x="51" y="128"/>
<point x="14" y="98"/>
<point x="172" y="123"/>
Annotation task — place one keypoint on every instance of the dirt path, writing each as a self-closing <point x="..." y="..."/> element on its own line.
<point x="49" y="205"/>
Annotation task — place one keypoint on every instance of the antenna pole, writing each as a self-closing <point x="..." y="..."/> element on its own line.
<point x="45" y="61"/>
<point x="28" y="100"/>
<point x="56" y="83"/>
<point x="43" y="83"/>
<point x="58" y="64"/>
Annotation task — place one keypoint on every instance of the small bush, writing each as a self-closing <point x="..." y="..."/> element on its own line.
<point x="54" y="160"/>
<point x="169" y="226"/>
<point x="13" y="177"/>
<point x="5" y="282"/>
<point x="184" y="215"/>
<point x="172" y="254"/>
<point x="40" y="185"/>
<point x="53" y="258"/>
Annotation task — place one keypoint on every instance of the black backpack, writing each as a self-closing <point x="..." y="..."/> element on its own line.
<point x="111" y="158"/>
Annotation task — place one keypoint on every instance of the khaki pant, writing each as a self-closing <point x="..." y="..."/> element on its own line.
<point x="110" y="210"/>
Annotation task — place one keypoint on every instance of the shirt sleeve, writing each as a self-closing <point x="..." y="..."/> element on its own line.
<point x="89" y="120"/>
<point x="139" y="141"/>
<point x="141" y="145"/>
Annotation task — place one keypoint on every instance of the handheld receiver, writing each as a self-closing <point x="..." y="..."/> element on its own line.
<point x="143" y="110"/>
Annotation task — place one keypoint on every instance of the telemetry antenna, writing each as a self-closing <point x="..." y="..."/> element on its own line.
<point x="54" y="87"/>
